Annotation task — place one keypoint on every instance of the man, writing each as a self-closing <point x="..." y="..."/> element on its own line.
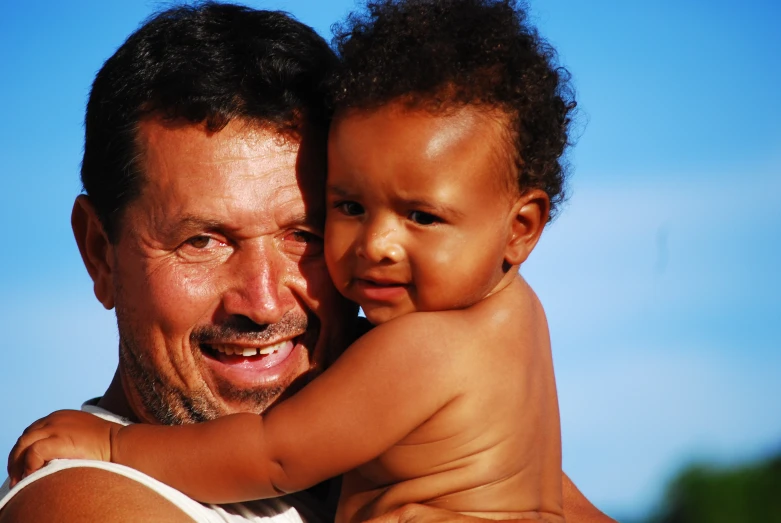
<point x="203" y="171"/>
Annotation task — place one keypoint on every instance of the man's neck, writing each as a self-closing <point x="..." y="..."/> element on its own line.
<point x="115" y="400"/>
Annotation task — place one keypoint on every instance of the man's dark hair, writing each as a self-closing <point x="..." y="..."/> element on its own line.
<point x="205" y="63"/>
<point x="439" y="55"/>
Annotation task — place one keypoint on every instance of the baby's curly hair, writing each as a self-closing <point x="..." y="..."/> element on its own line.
<point x="438" y="55"/>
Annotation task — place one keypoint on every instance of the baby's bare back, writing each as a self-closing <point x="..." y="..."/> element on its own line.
<point x="494" y="448"/>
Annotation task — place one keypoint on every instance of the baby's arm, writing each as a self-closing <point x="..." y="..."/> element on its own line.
<point x="386" y="384"/>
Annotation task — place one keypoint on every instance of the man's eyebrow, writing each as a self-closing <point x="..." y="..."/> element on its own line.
<point x="191" y="222"/>
<point x="306" y="219"/>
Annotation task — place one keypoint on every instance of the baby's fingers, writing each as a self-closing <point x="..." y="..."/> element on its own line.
<point x="40" y="452"/>
<point x="17" y="458"/>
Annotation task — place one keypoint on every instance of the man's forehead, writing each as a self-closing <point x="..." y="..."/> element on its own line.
<point x="183" y="148"/>
<point x="183" y="139"/>
<point x="241" y="169"/>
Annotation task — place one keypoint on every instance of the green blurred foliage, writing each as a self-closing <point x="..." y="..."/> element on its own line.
<point x="706" y="494"/>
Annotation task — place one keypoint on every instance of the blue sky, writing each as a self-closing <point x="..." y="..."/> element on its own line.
<point x="660" y="278"/>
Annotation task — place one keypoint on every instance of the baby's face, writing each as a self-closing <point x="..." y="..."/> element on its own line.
<point x="419" y="209"/>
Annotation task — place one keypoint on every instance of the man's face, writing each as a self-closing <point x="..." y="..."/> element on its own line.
<point x="221" y="292"/>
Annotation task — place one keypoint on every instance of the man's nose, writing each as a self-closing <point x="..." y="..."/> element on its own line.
<point x="258" y="289"/>
<point x="380" y="242"/>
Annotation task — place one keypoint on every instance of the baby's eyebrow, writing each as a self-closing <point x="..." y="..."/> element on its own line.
<point x="433" y="207"/>
<point x="335" y="189"/>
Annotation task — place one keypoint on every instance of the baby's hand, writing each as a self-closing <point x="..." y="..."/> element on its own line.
<point x="63" y="434"/>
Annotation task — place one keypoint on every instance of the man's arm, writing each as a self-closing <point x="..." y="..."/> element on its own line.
<point x="80" y="495"/>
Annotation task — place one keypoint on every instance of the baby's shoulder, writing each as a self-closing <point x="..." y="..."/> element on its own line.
<point x="512" y="316"/>
<point x="451" y="331"/>
<point x="414" y="325"/>
<point x="516" y="305"/>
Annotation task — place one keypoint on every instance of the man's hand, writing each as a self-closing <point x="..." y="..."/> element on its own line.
<point x="63" y="434"/>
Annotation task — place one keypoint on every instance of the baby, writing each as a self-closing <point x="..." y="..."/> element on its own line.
<point x="443" y="167"/>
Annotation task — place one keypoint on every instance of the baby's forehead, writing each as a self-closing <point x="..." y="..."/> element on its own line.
<point x="473" y="126"/>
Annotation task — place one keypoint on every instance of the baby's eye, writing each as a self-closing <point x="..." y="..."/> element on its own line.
<point x="423" y="218"/>
<point x="350" y="208"/>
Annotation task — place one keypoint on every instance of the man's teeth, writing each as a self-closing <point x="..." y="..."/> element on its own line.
<point x="248" y="351"/>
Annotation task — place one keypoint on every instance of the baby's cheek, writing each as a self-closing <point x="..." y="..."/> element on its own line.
<point x="436" y="272"/>
<point x="444" y="254"/>
<point x="443" y="257"/>
<point x="338" y="261"/>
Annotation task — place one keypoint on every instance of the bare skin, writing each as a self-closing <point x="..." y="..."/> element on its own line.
<point x="454" y="408"/>
<point x="83" y="495"/>
<point x="441" y="434"/>
<point x="227" y="230"/>
<point x="367" y="409"/>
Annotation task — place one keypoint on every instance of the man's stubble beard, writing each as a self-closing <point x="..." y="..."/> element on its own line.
<point x="169" y="404"/>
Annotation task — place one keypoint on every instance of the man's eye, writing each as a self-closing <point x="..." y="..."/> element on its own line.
<point x="423" y="218"/>
<point x="303" y="237"/>
<point x="350" y="208"/>
<point x="203" y="247"/>
<point x="304" y="243"/>
<point x="199" y="242"/>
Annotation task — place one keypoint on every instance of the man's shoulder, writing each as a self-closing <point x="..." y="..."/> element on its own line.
<point x="67" y="491"/>
<point x="88" y="494"/>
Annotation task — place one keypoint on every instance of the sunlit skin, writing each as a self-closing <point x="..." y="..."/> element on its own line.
<point x="226" y="231"/>
<point x="418" y="211"/>
<point x="450" y="401"/>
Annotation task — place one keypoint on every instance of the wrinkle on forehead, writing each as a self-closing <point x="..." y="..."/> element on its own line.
<point x="243" y="174"/>
<point x="255" y="140"/>
<point x="237" y="140"/>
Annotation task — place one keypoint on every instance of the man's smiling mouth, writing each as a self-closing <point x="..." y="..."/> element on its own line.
<point x="251" y="362"/>
<point x="247" y="352"/>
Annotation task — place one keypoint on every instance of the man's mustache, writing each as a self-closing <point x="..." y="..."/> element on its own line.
<point x="240" y="329"/>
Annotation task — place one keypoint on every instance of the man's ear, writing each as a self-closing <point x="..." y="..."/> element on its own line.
<point x="528" y="219"/>
<point x="95" y="249"/>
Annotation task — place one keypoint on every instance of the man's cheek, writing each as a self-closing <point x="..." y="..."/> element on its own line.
<point x="181" y="294"/>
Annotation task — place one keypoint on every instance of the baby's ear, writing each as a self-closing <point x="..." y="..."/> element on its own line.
<point x="528" y="219"/>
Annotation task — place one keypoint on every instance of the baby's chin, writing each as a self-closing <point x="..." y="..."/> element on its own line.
<point x="379" y="315"/>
